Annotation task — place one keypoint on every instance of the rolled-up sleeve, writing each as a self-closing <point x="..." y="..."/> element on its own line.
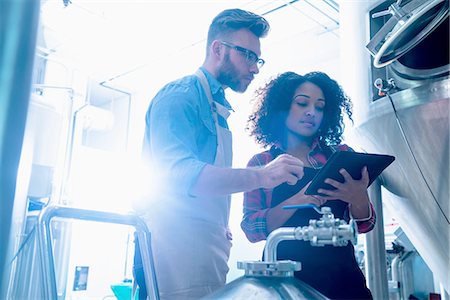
<point x="367" y="224"/>
<point x="172" y="127"/>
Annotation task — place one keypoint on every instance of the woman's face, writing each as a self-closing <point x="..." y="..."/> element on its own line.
<point x="306" y="112"/>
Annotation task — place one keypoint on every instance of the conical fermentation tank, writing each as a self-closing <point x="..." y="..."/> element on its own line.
<point x="408" y="117"/>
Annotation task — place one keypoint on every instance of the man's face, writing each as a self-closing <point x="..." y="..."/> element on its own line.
<point x="237" y="69"/>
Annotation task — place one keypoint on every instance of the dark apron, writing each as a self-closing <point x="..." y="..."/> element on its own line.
<point x="333" y="271"/>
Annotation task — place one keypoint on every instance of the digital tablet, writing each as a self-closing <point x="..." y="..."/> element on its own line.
<point x="353" y="162"/>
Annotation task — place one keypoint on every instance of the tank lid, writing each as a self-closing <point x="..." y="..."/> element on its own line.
<point x="280" y="268"/>
<point x="407" y="27"/>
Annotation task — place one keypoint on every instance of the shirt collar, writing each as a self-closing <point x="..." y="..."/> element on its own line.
<point x="315" y="147"/>
<point x="216" y="89"/>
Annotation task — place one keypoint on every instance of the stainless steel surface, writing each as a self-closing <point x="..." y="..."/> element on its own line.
<point x="248" y="288"/>
<point x="18" y="27"/>
<point x="64" y="212"/>
<point x="417" y="182"/>
<point x="284" y="268"/>
<point x="414" y="127"/>
<point x="375" y="248"/>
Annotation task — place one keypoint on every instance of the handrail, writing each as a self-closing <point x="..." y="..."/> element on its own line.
<point x="46" y="250"/>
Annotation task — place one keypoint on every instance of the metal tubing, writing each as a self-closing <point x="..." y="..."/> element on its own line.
<point x="146" y="254"/>
<point x="406" y="280"/>
<point x="275" y="237"/>
<point x="376" y="250"/>
<point x="46" y="255"/>
<point x="46" y="252"/>
<point x="18" y="26"/>
<point x="395" y="272"/>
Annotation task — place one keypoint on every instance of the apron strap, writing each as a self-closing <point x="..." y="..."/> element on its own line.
<point x="207" y="89"/>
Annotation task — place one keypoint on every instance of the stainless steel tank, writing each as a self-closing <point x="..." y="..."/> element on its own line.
<point x="408" y="117"/>
<point x="267" y="287"/>
<point x="272" y="279"/>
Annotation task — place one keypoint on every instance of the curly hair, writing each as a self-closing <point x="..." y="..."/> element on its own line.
<point x="273" y="101"/>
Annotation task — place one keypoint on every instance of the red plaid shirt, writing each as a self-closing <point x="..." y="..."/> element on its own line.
<point x="258" y="202"/>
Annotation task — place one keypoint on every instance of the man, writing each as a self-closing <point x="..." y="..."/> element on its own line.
<point x="188" y="146"/>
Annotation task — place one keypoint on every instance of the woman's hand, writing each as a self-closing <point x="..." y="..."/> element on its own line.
<point x="277" y="216"/>
<point x="351" y="191"/>
<point x="301" y="198"/>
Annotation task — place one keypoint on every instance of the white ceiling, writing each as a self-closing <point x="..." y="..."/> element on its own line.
<point x="122" y="41"/>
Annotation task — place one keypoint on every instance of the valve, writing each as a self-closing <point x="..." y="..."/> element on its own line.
<point x="384" y="87"/>
<point x="328" y="230"/>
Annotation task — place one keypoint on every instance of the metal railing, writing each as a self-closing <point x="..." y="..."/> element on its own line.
<point x="65" y="212"/>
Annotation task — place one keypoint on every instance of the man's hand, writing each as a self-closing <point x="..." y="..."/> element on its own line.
<point x="284" y="168"/>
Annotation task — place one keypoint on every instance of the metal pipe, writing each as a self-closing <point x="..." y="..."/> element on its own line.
<point x="46" y="252"/>
<point x="274" y="238"/>
<point x="376" y="250"/>
<point x="395" y="273"/>
<point x="399" y="274"/>
<point x="56" y="87"/>
<point x="406" y="281"/>
<point x="289" y="3"/>
<point x="19" y="23"/>
<point x="148" y="264"/>
<point x="336" y="22"/>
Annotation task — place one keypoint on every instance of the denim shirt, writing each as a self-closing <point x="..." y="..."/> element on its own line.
<point x="180" y="134"/>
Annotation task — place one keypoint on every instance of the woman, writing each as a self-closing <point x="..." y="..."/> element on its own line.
<point x="303" y="116"/>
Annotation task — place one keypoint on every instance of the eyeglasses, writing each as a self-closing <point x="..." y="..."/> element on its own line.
<point x="250" y="57"/>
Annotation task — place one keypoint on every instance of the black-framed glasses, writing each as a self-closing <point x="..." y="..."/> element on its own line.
<point x="250" y="57"/>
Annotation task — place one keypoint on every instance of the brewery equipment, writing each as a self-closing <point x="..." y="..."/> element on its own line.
<point x="408" y="117"/>
<point x="272" y="279"/>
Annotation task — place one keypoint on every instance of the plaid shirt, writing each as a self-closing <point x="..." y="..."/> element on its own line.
<point x="258" y="202"/>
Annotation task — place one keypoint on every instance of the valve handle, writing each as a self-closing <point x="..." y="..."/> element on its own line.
<point x="303" y="206"/>
<point x="324" y="210"/>
<point x="394" y="10"/>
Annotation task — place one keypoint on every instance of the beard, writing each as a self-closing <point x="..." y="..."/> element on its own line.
<point x="228" y="75"/>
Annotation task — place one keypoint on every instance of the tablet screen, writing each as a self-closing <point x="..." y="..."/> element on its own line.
<point x="353" y="162"/>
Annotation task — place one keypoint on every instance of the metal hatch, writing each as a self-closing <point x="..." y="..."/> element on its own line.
<point x="407" y="27"/>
